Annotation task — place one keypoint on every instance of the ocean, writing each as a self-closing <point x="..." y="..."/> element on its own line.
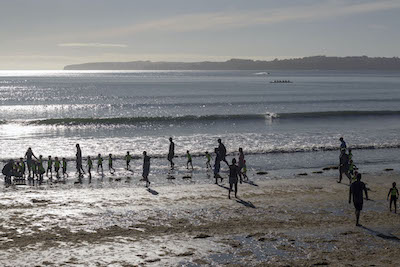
<point x="283" y="128"/>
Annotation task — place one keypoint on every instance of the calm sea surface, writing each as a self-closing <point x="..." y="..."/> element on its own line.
<point x="282" y="127"/>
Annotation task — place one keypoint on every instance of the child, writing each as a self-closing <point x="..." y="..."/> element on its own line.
<point x="57" y="167"/>
<point x="128" y="158"/>
<point x="49" y="168"/>
<point x="110" y="164"/>
<point x="64" y="167"/>
<point x="394" y="194"/>
<point x="208" y="157"/>
<point x="189" y="160"/>
<point x="244" y="171"/>
<point x="352" y="167"/>
<point x="22" y="167"/>
<point x="99" y="163"/>
<point x="89" y="165"/>
<point x="40" y="169"/>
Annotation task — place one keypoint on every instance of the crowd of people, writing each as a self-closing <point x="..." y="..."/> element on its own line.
<point x="35" y="169"/>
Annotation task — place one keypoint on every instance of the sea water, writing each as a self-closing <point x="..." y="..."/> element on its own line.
<point x="283" y="128"/>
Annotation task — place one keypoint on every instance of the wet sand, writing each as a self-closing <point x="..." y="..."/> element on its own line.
<point x="303" y="221"/>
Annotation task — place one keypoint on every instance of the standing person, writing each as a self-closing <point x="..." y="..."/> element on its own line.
<point x="394" y="195"/>
<point x="99" y="163"/>
<point x="40" y="169"/>
<point x="208" y="157"/>
<point x="110" y="164"/>
<point x="344" y="166"/>
<point x="146" y="168"/>
<point x="22" y="168"/>
<point x="64" y="167"/>
<point x="49" y="168"/>
<point x="128" y="158"/>
<point x="171" y="153"/>
<point x="222" y="151"/>
<point x="217" y="166"/>
<point x="189" y="160"/>
<point x="79" y="167"/>
<point x="356" y="189"/>
<point x="28" y="155"/>
<point x="342" y="144"/>
<point x="233" y="177"/>
<point x="89" y="165"/>
<point x="241" y="163"/>
<point x="57" y="167"/>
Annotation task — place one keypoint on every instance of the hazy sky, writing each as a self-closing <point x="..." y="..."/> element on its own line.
<point x="48" y="34"/>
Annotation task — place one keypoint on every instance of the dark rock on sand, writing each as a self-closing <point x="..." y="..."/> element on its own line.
<point x="262" y="173"/>
<point x="201" y="236"/>
<point x="303" y="174"/>
<point x="388" y="170"/>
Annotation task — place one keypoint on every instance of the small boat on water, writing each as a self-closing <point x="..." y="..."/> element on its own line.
<point x="280" y="81"/>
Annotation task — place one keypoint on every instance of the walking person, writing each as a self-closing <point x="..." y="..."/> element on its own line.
<point x="49" y="168"/>
<point x="222" y="152"/>
<point x="394" y="195"/>
<point x="128" y="158"/>
<point x="110" y="164"/>
<point x="344" y="166"/>
<point x="217" y="166"/>
<point x="356" y="189"/>
<point x="99" y="163"/>
<point x="208" y="162"/>
<point x="233" y="178"/>
<point x="57" y="165"/>
<point x="64" y="167"/>
<point x="189" y="160"/>
<point x="146" y="168"/>
<point x="171" y="153"/>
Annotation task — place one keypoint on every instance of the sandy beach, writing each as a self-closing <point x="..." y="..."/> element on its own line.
<point x="274" y="222"/>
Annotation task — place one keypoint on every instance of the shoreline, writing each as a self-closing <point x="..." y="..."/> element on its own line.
<point x="302" y="221"/>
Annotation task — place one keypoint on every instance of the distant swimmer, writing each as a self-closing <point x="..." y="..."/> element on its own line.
<point x="110" y="163"/>
<point x="99" y="163"/>
<point x="57" y="165"/>
<point x="49" y="168"/>
<point x="342" y="144"/>
<point x="64" y="167"/>
<point x="128" y="158"/>
<point x="241" y="163"/>
<point x="189" y="160"/>
<point x="171" y="153"/>
<point x="208" y="162"/>
<point x="29" y="161"/>
<point x="233" y="178"/>
<point x="356" y="189"/>
<point x="79" y="167"/>
<point x="146" y="168"/>
<point x="344" y="166"/>
<point x="222" y="151"/>
<point x="217" y="166"/>
<point x="89" y="166"/>
<point x="394" y="195"/>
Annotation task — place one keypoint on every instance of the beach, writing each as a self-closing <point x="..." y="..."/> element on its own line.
<point x="301" y="221"/>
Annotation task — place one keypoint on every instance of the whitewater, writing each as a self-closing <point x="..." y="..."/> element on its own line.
<point x="283" y="128"/>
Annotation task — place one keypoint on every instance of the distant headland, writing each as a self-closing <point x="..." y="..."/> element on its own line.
<point x="305" y="63"/>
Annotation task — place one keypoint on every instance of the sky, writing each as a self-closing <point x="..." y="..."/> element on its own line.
<point x="49" y="34"/>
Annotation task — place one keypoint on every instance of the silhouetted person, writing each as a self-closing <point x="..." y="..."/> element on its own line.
<point x="241" y="163"/>
<point x="79" y="166"/>
<point x="29" y="161"/>
<point x="110" y="164"/>
<point x="146" y="168"/>
<point x="233" y="177"/>
<point x="8" y="171"/>
<point x="222" y="152"/>
<point x="171" y="153"/>
<point x="90" y="166"/>
<point x="217" y="166"/>
<point x="189" y="160"/>
<point x="208" y="157"/>
<point x="99" y="163"/>
<point x="342" y="144"/>
<point x="49" y="168"/>
<point x="344" y="166"/>
<point x="356" y="189"/>
<point x="64" y="167"/>
<point x="57" y="165"/>
<point x="128" y="158"/>
<point x="394" y="195"/>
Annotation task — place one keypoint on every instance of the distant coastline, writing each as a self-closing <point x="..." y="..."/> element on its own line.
<point x="305" y="63"/>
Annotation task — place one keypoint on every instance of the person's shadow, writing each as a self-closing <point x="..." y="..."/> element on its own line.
<point x="220" y="185"/>
<point x="153" y="192"/>
<point x="250" y="183"/>
<point x="382" y="235"/>
<point x="245" y="203"/>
